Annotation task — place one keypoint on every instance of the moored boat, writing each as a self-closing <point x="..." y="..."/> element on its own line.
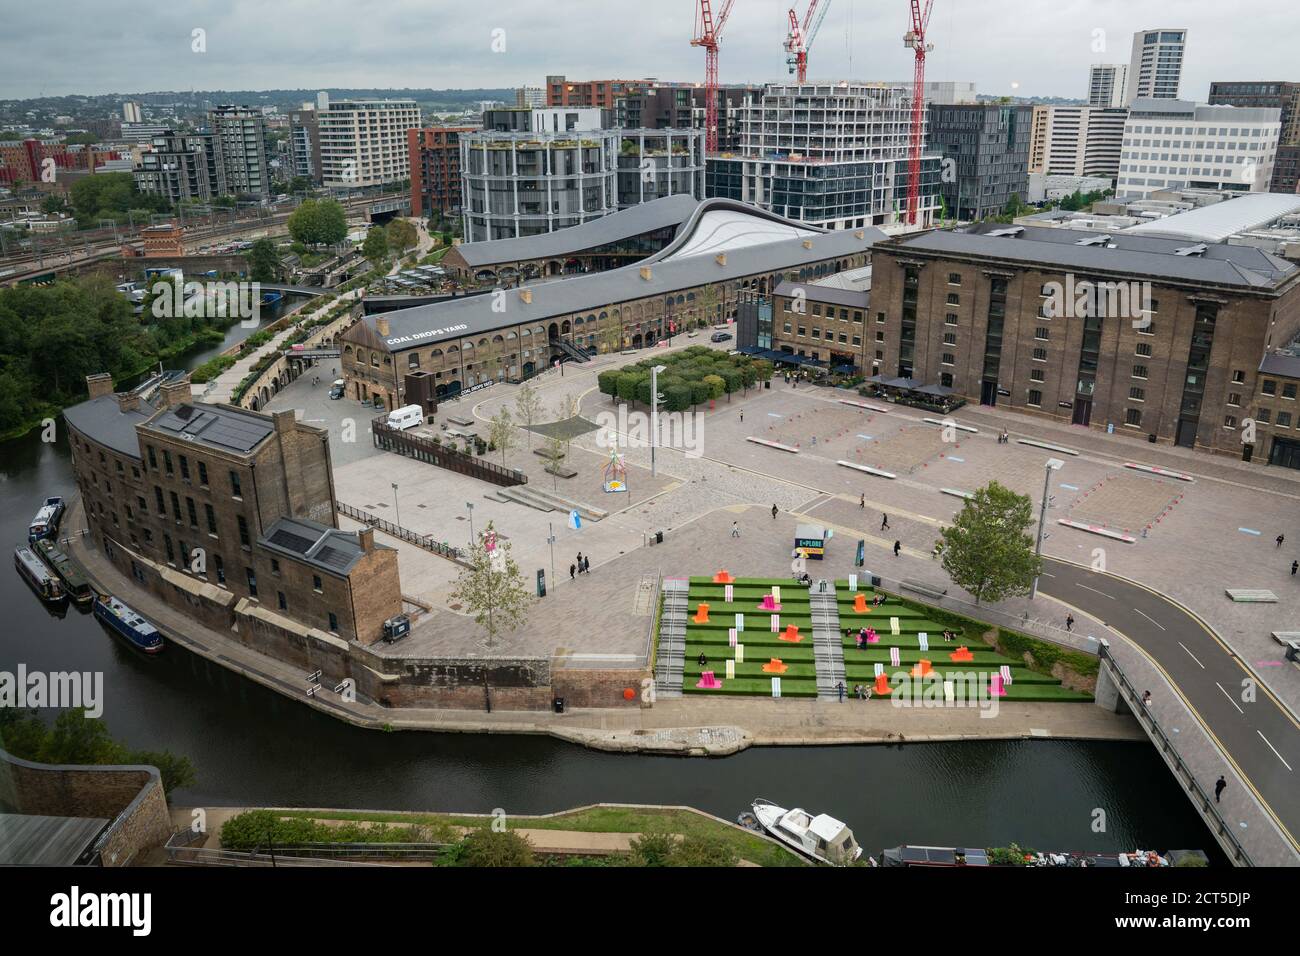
<point x="128" y="625"/>
<point x="69" y="572"/>
<point x="1015" y="856"/>
<point x="46" y="522"/>
<point x="819" y="837"/>
<point x="36" y="574"/>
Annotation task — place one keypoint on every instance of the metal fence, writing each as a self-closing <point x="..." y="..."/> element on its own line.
<point x="426" y="450"/>
<point x="1169" y="750"/>
<point x="424" y="541"/>
<point x="1024" y="622"/>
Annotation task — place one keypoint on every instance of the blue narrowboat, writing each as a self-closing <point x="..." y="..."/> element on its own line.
<point x="128" y="625"/>
<point x="46" y="522"/>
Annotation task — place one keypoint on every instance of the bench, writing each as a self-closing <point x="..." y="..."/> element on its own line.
<point x="561" y="472"/>
<point x="463" y="422"/>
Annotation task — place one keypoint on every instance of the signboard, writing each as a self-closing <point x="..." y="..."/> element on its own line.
<point x="541" y="582"/>
<point x="1005" y="392"/>
<point x="810" y="542"/>
<point x="1066" y="404"/>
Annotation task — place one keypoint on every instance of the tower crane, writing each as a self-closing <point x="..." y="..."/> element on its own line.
<point x="708" y="32"/>
<point x="800" y="38"/>
<point x="915" y="38"/>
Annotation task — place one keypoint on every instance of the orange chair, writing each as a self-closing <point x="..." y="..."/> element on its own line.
<point x="702" y="614"/>
<point x="775" y="666"/>
<point x="961" y="655"/>
<point x="860" y="604"/>
<point x="723" y="577"/>
<point x="882" y="684"/>
<point x="791" y="634"/>
<point x="921" y="668"/>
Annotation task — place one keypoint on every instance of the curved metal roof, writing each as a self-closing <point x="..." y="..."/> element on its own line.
<point x="1216" y="222"/>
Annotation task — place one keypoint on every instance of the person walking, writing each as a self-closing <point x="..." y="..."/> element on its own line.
<point x="1219" y="786"/>
<point x="1069" y="622"/>
<point x="735" y="529"/>
<point x="898" y="546"/>
<point x="1280" y="539"/>
<point x="774" y="512"/>
<point x="862" y="501"/>
<point x="573" y="570"/>
<point x="586" y="565"/>
<point x="884" y="522"/>
<point x="1295" y="566"/>
<point x="742" y="415"/>
<point x="579" y="559"/>
<point x="839" y="689"/>
<point x="1146" y="698"/>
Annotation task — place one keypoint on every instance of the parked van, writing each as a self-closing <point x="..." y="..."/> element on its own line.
<point x="406" y="417"/>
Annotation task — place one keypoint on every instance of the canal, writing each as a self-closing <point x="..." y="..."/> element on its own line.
<point x="252" y="747"/>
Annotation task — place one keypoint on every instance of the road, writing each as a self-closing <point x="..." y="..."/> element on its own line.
<point x="1259" y="738"/>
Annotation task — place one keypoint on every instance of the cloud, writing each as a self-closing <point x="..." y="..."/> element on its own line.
<point x="103" y="46"/>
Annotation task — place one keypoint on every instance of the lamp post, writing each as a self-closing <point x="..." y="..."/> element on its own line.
<point x="550" y="539"/>
<point x="1053" y="464"/>
<point x="654" y="413"/>
<point x="469" y="506"/>
<point x="397" y="512"/>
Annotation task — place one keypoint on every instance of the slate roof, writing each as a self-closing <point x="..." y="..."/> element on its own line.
<point x="217" y="426"/>
<point x="814" y="292"/>
<point x="328" y="549"/>
<point x="1138" y="256"/>
<point x="1279" y="363"/>
<point x="102" y="420"/>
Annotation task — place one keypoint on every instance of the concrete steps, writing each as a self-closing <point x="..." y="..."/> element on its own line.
<point x="828" y="651"/>
<point x="671" y="657"/>
<point x="548" y="501"/>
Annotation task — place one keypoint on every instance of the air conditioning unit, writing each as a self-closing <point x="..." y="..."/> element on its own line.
<point x="396" y="627"/>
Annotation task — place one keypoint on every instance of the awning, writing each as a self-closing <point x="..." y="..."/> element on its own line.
<point x="908" y="383"/>
<point x="845" y="369"/>
<point x="940" y="391"/>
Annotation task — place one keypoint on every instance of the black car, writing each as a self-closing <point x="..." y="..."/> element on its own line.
<point x="720" y="337"/>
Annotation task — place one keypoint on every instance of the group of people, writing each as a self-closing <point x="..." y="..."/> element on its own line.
<point x="581" y="565"/>
<point x="1004" y="438"/>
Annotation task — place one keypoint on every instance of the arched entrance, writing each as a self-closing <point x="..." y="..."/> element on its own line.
<point x="553" y="332"/>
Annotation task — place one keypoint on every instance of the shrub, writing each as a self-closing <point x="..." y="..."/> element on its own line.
<point x="702" y="851"/>
<point x="485" y="847"/>
<point x="653" y="848"/>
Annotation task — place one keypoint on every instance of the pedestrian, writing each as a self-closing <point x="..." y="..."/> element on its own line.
<point x="579" y="559"/>
<point x="884" y="522"/>
<point x="1280" y="539"/>
<point x="735" y="529"/>
<point x="1295" y="566"/>
<point x="1146" y="698"/>
<point x="774" y="511"/>
<point x="586" y="565"/>
<point x="1069" y="622"/>
<point x="703" y="660"/>
<point x="862" y="501"/>
<point x="573" y="570"/>
<point x="742" y="414"/>
<point x="1219" y="786"/>
<point x="898" y="546"/>
<point x="839" y="689"/>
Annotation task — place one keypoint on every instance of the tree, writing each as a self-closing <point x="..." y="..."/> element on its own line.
<point x="987" y="550"/>
<point x="492" y="587"/>
<point x="556" y="451"/>
<point x="485" y="847"/>
<point x="375" y="248"/>
<point x="502" y="433"/>
<point x="529" y="405"/>
<point x="264" y="261"/>
<point x="653" y="847"/>
<point x="53" y="204"/>
<point x="401" y="235"/>
<point x="717" y="385"/>
<point x="318" y="222"/>
<point x="708" y="302"/>
<point x="696" y="851"/>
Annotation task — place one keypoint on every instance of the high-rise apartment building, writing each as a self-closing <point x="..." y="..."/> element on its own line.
<point x="434" y="156"/>
<point x="1155" y="69"/>
<point x="683" y="106"/>
<point x="180" y="167"/>
<point x="530" y="97"/>
<point x="363" y="142"/>
<point x="1284" y="97"/>
<point x="602" y="94"/>
<point x="988" y="146"/>
<point x="1176" y="144"/>
<point x="304" y="144"/>
<point x="1077" y="141"/>
<point x="834" y="155"/>
<point x="239" y="138"/>
<point x="1107" y="85"/>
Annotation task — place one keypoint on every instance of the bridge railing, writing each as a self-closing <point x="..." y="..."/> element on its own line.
<point x="1169" y="750"/>
<point x="423" y="449"/>
<point x="425" y="541"/>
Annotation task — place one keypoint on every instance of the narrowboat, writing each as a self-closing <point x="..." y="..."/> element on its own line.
<point x="127" y="624"/>
<point x="41" y="579"/>
<point x="68" y="571"/>
<point x="46" y="522"/>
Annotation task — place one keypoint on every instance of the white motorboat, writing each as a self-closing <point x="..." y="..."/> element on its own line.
<point x="821" y="837"/>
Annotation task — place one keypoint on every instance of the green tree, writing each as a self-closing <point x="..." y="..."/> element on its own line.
<point x="717" y="385"/>
<point x="264" y="263"/>
<point x="53" y="204"/>
<point x="987" y="550"/>
<point x="607" y="382"/>
<point x="485" y="847"/>
<point x="375" y="248"/>
<point x="529" y="406"/>
<point x="627" y="385"/>
<point x="698" y="851"/>
<point x="492" y="586"/>
<point x="401" y="235"/>
<point x="708" y="303"/>
<point x="557" y="451"/>
<point x="502" y="433"/>
<point x="318" y="222"/>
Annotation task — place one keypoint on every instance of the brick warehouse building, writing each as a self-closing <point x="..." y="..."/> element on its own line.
<point x="725" y="250"/>
<point x="434" y="155"/>
<point x="250" y="494"/>
<point x="969" y="310"/>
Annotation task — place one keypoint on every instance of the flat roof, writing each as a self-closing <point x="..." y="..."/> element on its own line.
<point x="814" y="292"/>
<point x="217" y="426"/>
<point x="1123" y="252"/>
<point x="624" y="224"/>
<point x="1218" y="221"/>
<point x="33" y="840"/>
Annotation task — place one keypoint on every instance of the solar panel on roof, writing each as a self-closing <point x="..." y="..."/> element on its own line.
<point x="291" y="541"/>
<point x="334" y="558"/>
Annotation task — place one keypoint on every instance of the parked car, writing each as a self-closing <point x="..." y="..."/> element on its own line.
<point x="720" y="337"/>
<point x="336" y="391"/>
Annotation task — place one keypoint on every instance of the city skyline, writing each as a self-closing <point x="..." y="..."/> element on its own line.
<point x="1010" y="48"/>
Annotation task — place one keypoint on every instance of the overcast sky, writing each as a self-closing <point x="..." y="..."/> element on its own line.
<point x="1024" y="47"/>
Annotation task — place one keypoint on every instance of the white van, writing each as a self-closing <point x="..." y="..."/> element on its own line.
<point x="407" y="417"/>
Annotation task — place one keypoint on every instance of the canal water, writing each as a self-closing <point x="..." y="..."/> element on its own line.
<point x="251" y="746"/>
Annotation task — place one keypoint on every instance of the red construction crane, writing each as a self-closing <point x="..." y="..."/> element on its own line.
<point x="707" y="33"/>
<point x="915" y="38"/>
<point x="800" y="38"/>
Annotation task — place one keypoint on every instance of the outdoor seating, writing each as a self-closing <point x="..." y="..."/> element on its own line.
<point x="961" y="655"/>
<point x="775" y="666"/>
<point x="708" y="682"/>
<point x="791" y="634"/>
<point x="723" y="577"/>
<point x="702" y="614"/>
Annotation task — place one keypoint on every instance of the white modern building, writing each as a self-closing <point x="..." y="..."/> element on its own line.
<point x="1175" y="144"/>
<point x="1107" y="85"/>
<point x="1155" y="69"/>
<point x="832" y="155"/>
<point x="1048" y="188"/>
<point x="131" y="112"/>
<point x="530" y="97"/>
<point x="1077" y="140"/>
<point x="363" y="142"/>
<point x="943" y="92"/>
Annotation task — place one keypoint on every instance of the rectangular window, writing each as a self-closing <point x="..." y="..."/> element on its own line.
<point x="1042" y="333"/>
<point x="221" y="568"/>
<point x="1143" y="349"/>
<point x="153" y="461"/>
<point x="1234" y="398"/>
<point x="1133" y="417"/>
<point x="316" y="583"/>
<point x="280" y="601"/>
<point x="176" y="507"/>
<point x="1269" y="387"/>
<point x="167" y="461"/>
<point x="1035" y="397"/>
<point x="334" y="623"/>
<point x="1229" y="421"/>
<point x="1264" y="416"/>
<point x="203" y="474"/>
<point x="954" y="298"/>
<point x="1238" y="376"/>
<point x="949" y="359"/>
<point x="1283" y="419"/>
<point x="1036" y="375"/>
<point x="950" y="338"/>
<point x="954" y="278"/>
<point x="235" y="486"/>
<point x="211" y="518"/>
<point x="251" y="577"/>
<point x="1139" y="371"/>
<point x="158" y="500"/>
<point x="950" y="318"/>
<point x="171" y="550"/>
<point x="185" y="467"/>
<point x="1288" y="390"/>
<point x="1137" y="394"/>
<point x="193" y="512"/>
<point x="880" y="318"/>
<point x="880" y="336"/>
<point x="1040" y="355"/>
<point x="243" y="531"/>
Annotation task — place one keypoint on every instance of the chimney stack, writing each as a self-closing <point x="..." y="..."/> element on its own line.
<point x="366" y="539"/>
<point x="175" y="392"/>
<point x="99" y="384"/>
<point x="128" y="401"/>
<point x="381" y="326"/>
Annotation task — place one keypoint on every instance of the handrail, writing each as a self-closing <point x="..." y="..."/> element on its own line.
<point x="444" y="456"/>
<point x="425" y="541"/>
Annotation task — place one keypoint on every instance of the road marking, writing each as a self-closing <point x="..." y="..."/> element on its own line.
<point x="1094" y="591"/>
<point x="1070" y="487"/>
<point x="1048" y="574"/>
<point x="1230" y="700"/>
<point x="1150" y="618"/>
<point x="1249" y="531"/>
<point x="1274" y="749"/>
<point x="1191" y="655"/>
<point x="955" y="458"/>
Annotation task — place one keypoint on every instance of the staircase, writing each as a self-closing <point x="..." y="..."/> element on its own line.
<point x="828" y="651"/>
<point x="574" y="353"/>
<point x="535" y="497"/>
<point x="672" y="639"/>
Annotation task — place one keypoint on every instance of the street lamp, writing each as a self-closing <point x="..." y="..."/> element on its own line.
<point x="469" y="506"/>
<point x="397" y="513"/>
<point x="1053" y="464"/>
<point x="550" y="539"/>
<point x="654" y="413"/>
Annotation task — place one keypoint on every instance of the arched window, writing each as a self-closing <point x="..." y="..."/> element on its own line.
<point x="511" y="335"/>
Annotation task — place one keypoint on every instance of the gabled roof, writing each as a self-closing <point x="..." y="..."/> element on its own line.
<point x="1282" y="364"/>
